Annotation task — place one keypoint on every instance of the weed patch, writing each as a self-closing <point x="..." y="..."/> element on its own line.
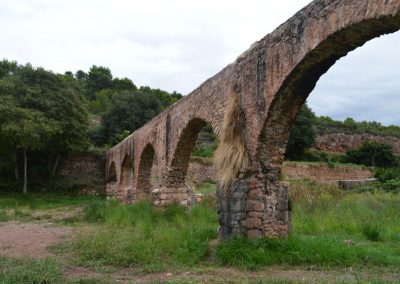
<point x="146" y="237"/>
<point x="303" y="250"/>
<point x="29" y="271"/>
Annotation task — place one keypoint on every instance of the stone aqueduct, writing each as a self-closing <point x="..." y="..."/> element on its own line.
<point x="272" y="80"/>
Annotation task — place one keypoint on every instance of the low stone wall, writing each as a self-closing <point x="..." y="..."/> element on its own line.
<point x="200" y="172"/>
<point x="87" y="173"/>
<point x="82" y="165"/>
<point x="321" y="172"/>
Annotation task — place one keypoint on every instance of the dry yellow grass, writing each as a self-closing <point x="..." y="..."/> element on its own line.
<point x="231" y="156"/>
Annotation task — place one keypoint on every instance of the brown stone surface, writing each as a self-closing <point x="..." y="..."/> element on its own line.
<point x="323" y="173"/>
<point x="272" y="79"/>
<point x="341" y="142"/>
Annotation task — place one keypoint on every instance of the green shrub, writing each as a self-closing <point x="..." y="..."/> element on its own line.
<point x="392" y="185"/>
<point x="204" y="150"/>
<point x="372" y="153"/>
<point x="386" y="174"/>
<point x="371" y="231"/>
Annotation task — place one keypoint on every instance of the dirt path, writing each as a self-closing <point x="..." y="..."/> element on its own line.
<point x="30" y="239"/>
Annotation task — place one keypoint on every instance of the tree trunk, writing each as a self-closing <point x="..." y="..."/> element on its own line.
<point x="54" y="170"/>
<point x="25" y="189"/>
<point x="16" y="166"/>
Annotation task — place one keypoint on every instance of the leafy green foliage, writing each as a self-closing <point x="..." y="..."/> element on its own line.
<point x="389" y="178"/>
<point x="325" y="124"/>
<point x="384" y="175"/>
<point x="372" y="232"/>
<point x="302" y="135"/>
<point x="41" y="112"/>
<point x="128" y="112"/>
<point x="374" y="154"/>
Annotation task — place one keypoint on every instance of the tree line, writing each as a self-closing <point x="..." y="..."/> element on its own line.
<point x="46" y="117"/>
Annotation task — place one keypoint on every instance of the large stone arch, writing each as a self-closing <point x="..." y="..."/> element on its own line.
<point x="143" y="183"/>
<point x="316" y="44"/>
<point x="302" y="79"/>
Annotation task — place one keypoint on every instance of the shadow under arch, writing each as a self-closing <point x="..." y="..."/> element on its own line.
<point x="111" y="183"/>
<point x="125" y="183"/>
<point x="302" y="80"/>
<point x="143" y="185"/>
<point x="181" y="158"/>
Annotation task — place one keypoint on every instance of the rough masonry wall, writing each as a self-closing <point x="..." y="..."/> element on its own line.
<point x="341" y="142"/>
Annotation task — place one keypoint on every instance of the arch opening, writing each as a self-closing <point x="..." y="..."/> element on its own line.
<point x="197" y="141"/>
<point x="125" y="184"/>
<point x="111" y="185"/>
<point x="144" y="185"/>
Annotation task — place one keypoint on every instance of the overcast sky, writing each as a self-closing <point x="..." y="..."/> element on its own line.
<point x="178" y="44"/>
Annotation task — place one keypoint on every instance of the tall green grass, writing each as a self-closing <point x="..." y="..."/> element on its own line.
<point x="305" y="250"/>
<point x="347" y="215"/>
<point x="330" y="228"/>
<point x="29" y="271"/>
<point x="146" y="237"/>
<point x="41" y="201"/>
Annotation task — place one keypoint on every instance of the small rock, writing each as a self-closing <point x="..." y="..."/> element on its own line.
<point x="348" y="242"/>
<point x="155" y="191"/>
<point x="169" y="274"/>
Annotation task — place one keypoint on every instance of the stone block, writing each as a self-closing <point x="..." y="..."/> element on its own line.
<point x="155" y="191"/>
<point x="252" y="223"/>
<point x="255" y="234"/>
<point x="254" y="205"/>
<point x="255" y="194"/>
<point x="237" y="205"/>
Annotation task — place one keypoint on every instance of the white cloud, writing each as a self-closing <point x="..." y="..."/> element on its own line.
<point x="178" y="44"/>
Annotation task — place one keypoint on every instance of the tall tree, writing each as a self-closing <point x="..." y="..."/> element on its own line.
<point x="129" y="111"/>
<point x="24" y="129"/>
<point x="303" y="133"/>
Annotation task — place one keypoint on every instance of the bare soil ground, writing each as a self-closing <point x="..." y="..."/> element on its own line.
<point x="34" y="239"/>
<point x="30" y="239"/>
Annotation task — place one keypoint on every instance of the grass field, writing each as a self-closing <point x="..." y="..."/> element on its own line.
<point x="331" y="230"/>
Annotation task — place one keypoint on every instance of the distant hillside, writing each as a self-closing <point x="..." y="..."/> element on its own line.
<point x="343" y="142"/>
<point x="341" y="136"/>
<point x="326" y="125"/>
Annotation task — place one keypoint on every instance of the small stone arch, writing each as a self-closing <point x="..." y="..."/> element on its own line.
<point x="143" y="184"/>
<point x="126" y="176"/>
<point x="112" y="185"/>
<point x="180" y="161"/>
